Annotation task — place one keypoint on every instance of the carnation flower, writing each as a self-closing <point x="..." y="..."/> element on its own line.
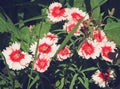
<point x="64" y="53"/>
<point x="89" y="49"/>
<point x="99" y="35"/>
<point x="52" y="37"/>
<point x="45" y="47"/>
<point x="76" y="15"/>
<point x="102" y="78"/>
<point x="16" y="59"/>
<point x="42" y="63"/>
<point x="57" y="12"/>
<point x="106" y="48"/>
<point x="69" y="27"/>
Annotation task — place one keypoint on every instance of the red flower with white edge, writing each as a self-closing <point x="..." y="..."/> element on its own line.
<point x="76" y="15"/>
<point x="52" y="37"/>
<point x="106" y="48"/>
<point x="99" y="35"/>
<point x="45" y="47"/>
<point x="102" y="78"/>
<point x="16" y="59"/>
<point x="57" y="12"/>
<point x="64" y="53"/>
<point x="89" y="49"/>
<point x="42" y="63"/>
<point x="69" y="27"/>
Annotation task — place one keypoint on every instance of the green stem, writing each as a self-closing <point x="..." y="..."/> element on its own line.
<point x="29" y="84"/>
<point x="32" y="19"/>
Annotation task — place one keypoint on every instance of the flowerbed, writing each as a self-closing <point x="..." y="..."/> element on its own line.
<point x="67" y="49"/>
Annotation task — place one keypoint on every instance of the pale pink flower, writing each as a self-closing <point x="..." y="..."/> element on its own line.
<point x="106" y="48"/>
<point x="102" y="78"/>
<point x="42" y="63"/>
<point x="69" y="27"/>
<point x="57" y="12"/>
<point x="52" y="37"/>
<point x="89" y="49"/>
<point x="45" y="47"/>
<point x="76" y="15"/>
<point x="99" y="35"/>
<point x="64" y="53"/>
<point x="16" y="59"/>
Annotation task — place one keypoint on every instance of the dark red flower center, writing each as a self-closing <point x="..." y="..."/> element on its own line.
<point x="98" y="36"/>
<point x="104" y="76"/>
<point x="16" y="56"/>
<point x="44" y="48"/>
<point x="57" y="11"/>
<point x="88" y="48"/>
<point x="42" y="63"/>
<point x="76" y="16"/>
<point x="64" y="51"/>
<point x="106" y="50"/>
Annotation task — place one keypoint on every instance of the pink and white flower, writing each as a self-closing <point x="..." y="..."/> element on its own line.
<point x="52" y="37"/>
<point x="106" y="48"/>
<point x="42" y="63"/>
<point x="45" y="47"/>
<point x="57" y="12"/>
<point x="89" y="49"/>
<point x="16" y="59"/>
<point x="76" y="15"/>
<point x="69" y="27"/>
<point x="102" y="78"/>
<point x="64" y="53"/>
<point x="99" y="36"/>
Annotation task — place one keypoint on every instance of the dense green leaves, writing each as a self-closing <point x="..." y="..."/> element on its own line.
<point x="112" y="31"/>
<point x="95" y="8"/>
<point x="68" y="73"/>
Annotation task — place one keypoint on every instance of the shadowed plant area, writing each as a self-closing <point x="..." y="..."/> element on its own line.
<point x="59" y="44"/>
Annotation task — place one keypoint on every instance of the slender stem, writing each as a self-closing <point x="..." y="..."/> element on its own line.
<point x="28" y="87"/>
<point x="32" y="19"/>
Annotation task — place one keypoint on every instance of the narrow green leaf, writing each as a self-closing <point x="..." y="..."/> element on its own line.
<point x="69" y="36"/>
<point x="89" y="69"/>
<point x="33" y="81"/>
<point x="17" y="84"/>
<point x="33" y="19"/>
<point x="60" y="84"/>
<point x="73" y="81"/>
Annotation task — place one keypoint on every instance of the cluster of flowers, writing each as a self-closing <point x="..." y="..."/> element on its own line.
<point x="92" y="47"/>
<point x="45" y="49"/>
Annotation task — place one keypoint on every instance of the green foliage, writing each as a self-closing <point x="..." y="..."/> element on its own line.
<point x="95" y="8"/>
<point x="79" y="3"/>
<point x="60" y="83"/>
<point x="112" y="30"/>
<point x="73" y="81"/>
<point x="6" y="24"/>
<point x="70" y="73"/>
